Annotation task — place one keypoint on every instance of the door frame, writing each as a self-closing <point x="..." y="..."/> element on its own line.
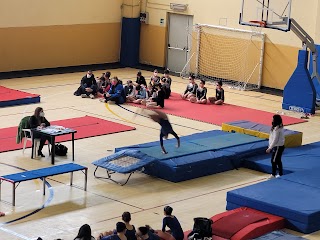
<point x="167" y="35"/>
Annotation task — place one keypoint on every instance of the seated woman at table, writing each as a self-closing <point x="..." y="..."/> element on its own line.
<point x="38" y="120"/>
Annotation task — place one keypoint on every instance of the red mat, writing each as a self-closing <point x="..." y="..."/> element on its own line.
<point x="8" y="94"/>
<point x="86" y="127"/>
<point x="217" y="115"/>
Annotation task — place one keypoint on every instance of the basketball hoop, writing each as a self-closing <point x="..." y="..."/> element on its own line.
<point x="257" y="25"/>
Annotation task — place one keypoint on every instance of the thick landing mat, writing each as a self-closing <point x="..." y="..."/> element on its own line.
<point x="200" y="154"/>
<point x="245" y="223"/>
<point x="86" y="127"/>
<point x="292" y="138"/>
<point x="279" y="235"/>
<point x="301" y="158"/>
<point x="219" y="114"/>
<point x="294" y="197"/>
<point x="11" y="97"/>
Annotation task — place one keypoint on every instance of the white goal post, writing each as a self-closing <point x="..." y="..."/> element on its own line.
<point x="234" y="56"/>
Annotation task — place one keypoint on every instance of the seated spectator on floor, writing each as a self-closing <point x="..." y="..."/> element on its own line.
<point x="131" y="231"/>
<point x="88" y="86"/>
<point x="155" y="78"/>
<point x="142" y="94"/>
<point x="130" y="91"/>
<point x="116" y="92"/>
<point x="156" y="101"/>
<point x="172" y="223"/>
<point x="190" y="89"/>
<point x="140" y="79"/>
<point x="219" y="98"/>
<point x="103" y="84"/>
<point x="151" y="90"/>
<point x="120" y="235"/>
<point x="201" y="94"/>
<point x="84" y="233"/>
<point x="167" y="77"/>
<point x="144" y="233"/>
<point x="165" y="88"/>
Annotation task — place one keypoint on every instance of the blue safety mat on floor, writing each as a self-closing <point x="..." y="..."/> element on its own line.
<point x="295" y="199"/>
<point x="279" y="235"/>
<point x="293" y="159"/>
<point x="43" y="172"/>
<point x="200" y="154"/>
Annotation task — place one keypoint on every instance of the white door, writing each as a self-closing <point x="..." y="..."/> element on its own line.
<point x="179" y="41"/>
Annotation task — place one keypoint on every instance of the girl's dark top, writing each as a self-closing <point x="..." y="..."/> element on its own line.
<point x="160" y="98"/>
<point x="201" y="93"/>
<point x="141" y="80"/>
<point x="131" y="234"/>
<point x="34" y="122"/>
<point x="220" y="94"/>
<point x="167" y="91"/>
<point x="191" y="88"/>
<point x="175" y="227"/>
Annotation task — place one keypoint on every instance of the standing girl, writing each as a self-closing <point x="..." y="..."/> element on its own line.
<point x="276" y="145"/>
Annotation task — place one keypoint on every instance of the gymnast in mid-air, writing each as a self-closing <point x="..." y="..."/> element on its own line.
<point x="166" y="128"/>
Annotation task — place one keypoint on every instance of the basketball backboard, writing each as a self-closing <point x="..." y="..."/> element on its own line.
<point x="266" y="13"/>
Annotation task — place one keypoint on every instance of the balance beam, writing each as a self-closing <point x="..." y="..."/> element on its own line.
<point x="42" y="174"/>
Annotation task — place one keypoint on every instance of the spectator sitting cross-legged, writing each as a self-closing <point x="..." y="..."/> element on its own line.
<point x="219" y="98"/>
<point x="103" y="84"/>
<point x="116" y="92"/>
<point x="88" y="86"/>
<point x="140" y="79"/>
<point x="190" y="89"/>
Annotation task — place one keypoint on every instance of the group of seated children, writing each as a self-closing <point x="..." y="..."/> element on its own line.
<point x="198" y="94"/>
<point x="126" y="231"/>
<point x="151" y="95"/>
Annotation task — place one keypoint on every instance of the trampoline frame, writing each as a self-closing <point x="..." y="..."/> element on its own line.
<point x="109" y="176"/>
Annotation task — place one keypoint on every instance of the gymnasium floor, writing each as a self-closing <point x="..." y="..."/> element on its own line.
<point x="102" y="205"/>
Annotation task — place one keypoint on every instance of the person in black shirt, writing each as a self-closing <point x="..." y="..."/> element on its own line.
<point x="166" y="128"/>
<point x="131" y="231"/>
<point x="88" y="85"/>
<point x="37" y="120"/>
<point x="201" y="94"/>
<point x="173" y="223"/>
<point x="103" y="84"/>
<point x="219" y="98"/>
<point x="167" y="77"/>
<point x="155" y="78"/>
<point x="190" y="89"/>
<point x="165" y="88"/>
<point x="140" y="79"/>
<point x="130" y="91"/>
<point x="158" y="100"/>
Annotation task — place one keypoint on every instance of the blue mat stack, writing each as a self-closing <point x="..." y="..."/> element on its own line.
<point x="200" y="154"/>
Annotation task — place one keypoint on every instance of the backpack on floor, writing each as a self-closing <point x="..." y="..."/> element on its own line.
<point x="202" y="229"/>
<point x="61" y="150"/>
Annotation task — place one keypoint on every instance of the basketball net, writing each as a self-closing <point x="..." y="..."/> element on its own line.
<point x="258" y="26"/>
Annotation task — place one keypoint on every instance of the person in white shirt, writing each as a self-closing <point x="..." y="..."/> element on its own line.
<point x="276" y="145"/>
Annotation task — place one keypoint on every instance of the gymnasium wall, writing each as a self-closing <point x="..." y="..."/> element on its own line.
<point x="39" y="34"/>
<point x="281" y="48"/>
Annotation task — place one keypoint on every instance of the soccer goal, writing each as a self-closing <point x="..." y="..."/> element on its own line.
<point x="234" y="56"/>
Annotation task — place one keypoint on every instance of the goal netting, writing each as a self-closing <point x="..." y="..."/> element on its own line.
<point x="234" y="56"/>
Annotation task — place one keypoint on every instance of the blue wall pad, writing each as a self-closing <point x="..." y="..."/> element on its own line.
<point x="130" y="42"/>
<point x="200" y="154"/>
<point x="279" y="235"/>
<point x="20" y="101"/>
<point x="315" y="81"/>
<point x="301" y="158"/>
<point x="295" y="198"/>
<point x="299" y="93"/>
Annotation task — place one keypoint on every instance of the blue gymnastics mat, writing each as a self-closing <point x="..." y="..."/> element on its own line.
<point x="279" y="235"/>
<point x="200" y="154"/>
<point x="295" y="197"/>
<point x="293" y="159"/>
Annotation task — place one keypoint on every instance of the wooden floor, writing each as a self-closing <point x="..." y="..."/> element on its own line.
<point x="102" y="205"/>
